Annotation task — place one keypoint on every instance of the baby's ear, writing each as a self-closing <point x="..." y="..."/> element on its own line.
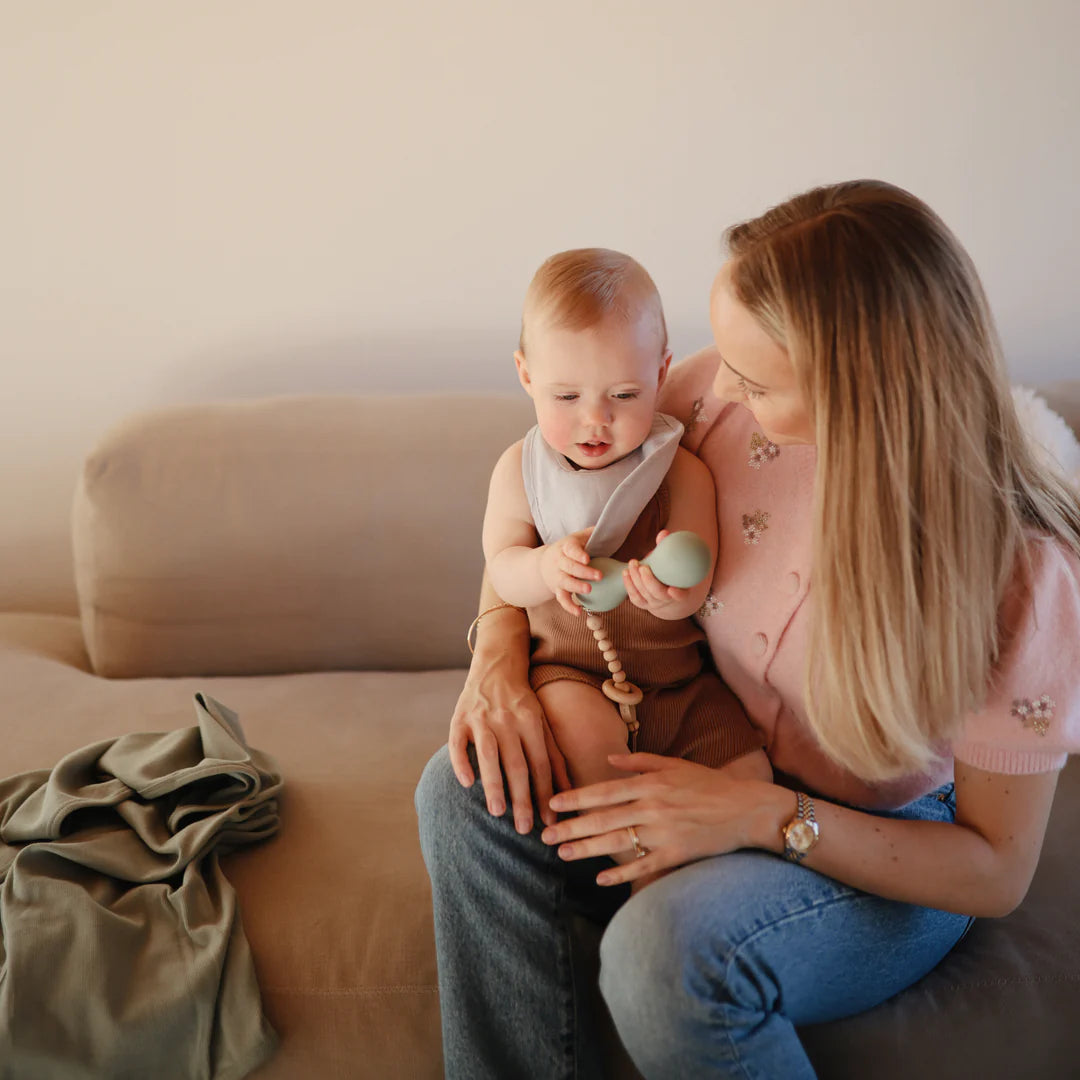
<point x="665" y="363"/>
<point x="522" y="371"/>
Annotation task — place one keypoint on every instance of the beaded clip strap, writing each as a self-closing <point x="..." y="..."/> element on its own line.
<point x="476" y="622"/>
<point x="618" y="688"/>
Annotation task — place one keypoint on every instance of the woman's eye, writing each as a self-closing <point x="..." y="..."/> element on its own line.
<point x="750" y="393"/>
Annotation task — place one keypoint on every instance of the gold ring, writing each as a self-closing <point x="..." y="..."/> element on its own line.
<point x="640" y="850"/>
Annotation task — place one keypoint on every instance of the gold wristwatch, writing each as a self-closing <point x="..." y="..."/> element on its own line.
<point x="801" y="833"/>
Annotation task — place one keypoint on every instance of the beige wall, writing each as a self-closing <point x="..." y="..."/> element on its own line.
<point x="240" y="197"/>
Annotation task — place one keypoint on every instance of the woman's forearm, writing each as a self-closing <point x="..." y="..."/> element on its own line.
<point x="978" y="868"/>
<point x="504" y="631"/>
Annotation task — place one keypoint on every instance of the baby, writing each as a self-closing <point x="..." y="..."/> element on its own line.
<point x="602" y="473"/>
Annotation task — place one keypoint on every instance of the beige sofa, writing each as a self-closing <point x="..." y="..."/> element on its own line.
<point x="313" y="563"/>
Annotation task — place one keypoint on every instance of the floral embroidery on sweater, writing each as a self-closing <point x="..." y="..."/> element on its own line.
<point x="754" y="525"/>
<point x="762" y="451"/>
<point x="710" y="607"/>
<point x="697" y="415"/>
<point x="1035" y="714"/>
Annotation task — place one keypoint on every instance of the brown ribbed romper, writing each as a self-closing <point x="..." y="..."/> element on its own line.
<point x="687" y="711"/>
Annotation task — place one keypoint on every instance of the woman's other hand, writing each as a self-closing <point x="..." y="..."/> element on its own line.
<point x="500" y="715"/>
<point x="681" y="811"/>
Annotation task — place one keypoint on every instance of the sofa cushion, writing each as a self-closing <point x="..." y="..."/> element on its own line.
<point x="260" y="536"/>
<point x="336" y="907"/>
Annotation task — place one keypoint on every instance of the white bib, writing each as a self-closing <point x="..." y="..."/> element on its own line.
<point x="564" y="500"/>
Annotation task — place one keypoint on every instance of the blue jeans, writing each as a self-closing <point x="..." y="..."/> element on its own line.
<point x="706" y="972"/>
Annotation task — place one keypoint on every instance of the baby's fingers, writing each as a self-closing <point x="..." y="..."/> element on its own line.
<point x="567" y="601"/>
<point x="574" y="546"/>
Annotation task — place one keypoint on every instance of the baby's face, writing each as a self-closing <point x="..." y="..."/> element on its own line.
<point x="594" y="390"/>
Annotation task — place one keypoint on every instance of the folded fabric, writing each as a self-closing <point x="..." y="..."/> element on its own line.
<point x="122" y="953"/>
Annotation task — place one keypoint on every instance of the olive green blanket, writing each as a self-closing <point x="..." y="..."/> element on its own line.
<point x="122" y="954"/>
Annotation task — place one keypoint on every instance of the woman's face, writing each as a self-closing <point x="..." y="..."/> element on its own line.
<point x="754" y="370"/>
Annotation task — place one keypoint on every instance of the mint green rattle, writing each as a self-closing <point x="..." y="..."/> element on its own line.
<point x="682" y="560"/>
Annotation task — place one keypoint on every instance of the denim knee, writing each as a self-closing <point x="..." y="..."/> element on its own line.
<point x="434" y="785"/>
<point x="437" y="791"/>
<point x="649" y="976"/>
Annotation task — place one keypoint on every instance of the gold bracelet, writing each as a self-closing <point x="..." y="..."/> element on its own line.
<point x="476" y="621"/>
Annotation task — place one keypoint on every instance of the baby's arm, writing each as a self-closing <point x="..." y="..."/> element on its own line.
<point x="523" y="571"/>
<point x="693" y="507"/>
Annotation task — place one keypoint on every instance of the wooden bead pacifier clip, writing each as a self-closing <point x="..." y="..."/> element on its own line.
<point x="681" y="560"/>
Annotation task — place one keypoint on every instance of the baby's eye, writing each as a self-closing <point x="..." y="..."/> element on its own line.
<point x="566" y="397"/>
<point x="628" y="395"/>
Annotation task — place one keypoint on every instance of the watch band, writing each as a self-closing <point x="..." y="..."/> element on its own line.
<point x="801" y="833"/>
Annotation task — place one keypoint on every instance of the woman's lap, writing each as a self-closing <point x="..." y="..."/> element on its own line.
<point x="707" y="970"/>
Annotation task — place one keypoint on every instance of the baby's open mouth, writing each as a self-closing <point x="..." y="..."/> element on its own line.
<point x="593" y="449"/>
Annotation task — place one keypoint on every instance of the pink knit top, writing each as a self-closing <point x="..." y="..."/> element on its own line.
<point x="756" y="615"/>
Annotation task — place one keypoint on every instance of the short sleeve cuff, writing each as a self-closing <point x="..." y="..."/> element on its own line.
<point x="1012" y="762"/>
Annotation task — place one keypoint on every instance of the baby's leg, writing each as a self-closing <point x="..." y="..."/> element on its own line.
<point x="586" y="726"/>
<point x="752" y="766"/>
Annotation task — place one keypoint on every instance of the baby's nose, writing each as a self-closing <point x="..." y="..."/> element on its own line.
<point x="598" y="412"/>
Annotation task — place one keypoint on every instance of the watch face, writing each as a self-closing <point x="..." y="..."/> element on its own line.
<point x="801" y="835"/>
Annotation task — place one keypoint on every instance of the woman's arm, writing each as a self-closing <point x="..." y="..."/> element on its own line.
<point x="982" y="865"/>
<point x="499" y="714"/>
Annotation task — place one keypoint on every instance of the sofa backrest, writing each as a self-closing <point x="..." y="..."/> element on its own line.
<point x="297" y="533"/>
<point x="288" y="534"/>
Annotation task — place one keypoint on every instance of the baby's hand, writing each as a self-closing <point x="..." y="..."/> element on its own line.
<point x="646" y="592"/>
<point x="565" y="569"/>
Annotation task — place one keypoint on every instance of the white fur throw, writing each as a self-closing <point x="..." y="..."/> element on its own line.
<point x="1053" y="438"/>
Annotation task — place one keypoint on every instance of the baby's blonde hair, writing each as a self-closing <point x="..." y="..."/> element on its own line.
<point x="926" y="485"/>
<point x="580" y="288"/>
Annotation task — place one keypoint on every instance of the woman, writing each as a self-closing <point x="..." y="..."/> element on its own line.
<point x="917" y="702"/>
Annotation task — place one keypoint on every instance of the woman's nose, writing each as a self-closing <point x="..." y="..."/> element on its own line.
<point x="726" y="385"/>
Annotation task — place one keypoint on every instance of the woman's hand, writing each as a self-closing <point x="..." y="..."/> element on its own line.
<point x="680" y="811"/>
<point x="498" y="712"/>
<point x="565" y="569"/>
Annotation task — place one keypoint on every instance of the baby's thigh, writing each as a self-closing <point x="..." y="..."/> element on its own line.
<point x="580" y="717"/>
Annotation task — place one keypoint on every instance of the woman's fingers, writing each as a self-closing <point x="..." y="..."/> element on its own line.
<point x="594" y="826"/>
<point x="518" y="777"/>
<point x="634" y="869"/>
<point x="487" y="757"/>
<point x="458" y="745"/>
<point x="615" y="842"/>
<point x="605" y="793"/>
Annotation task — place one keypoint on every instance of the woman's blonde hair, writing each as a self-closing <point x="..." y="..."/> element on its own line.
<point x="579" y="288"/>
<point x="926" y="485"/>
